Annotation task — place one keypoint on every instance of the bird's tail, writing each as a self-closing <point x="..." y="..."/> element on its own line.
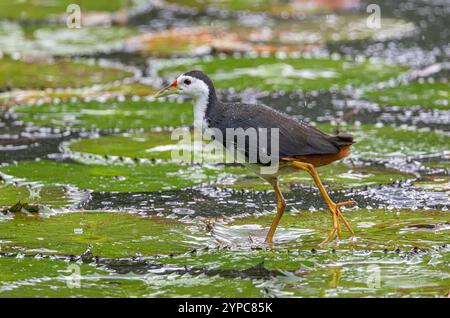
<point x="344" y="139"/>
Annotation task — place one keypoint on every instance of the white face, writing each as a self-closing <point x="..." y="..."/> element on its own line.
<point x="192" y="86"/>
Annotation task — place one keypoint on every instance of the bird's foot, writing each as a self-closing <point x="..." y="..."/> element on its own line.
<point x="337" y="217"/>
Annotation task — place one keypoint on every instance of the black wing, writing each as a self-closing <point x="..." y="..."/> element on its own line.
<point x="296" y="138"/>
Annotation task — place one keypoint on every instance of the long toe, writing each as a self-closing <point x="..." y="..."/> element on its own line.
<point x="329" y="237"/>
<point x="346" y="203"/>
<point x="346" y="224"/>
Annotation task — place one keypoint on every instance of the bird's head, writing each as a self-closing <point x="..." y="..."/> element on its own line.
<point x="193" y="84"/>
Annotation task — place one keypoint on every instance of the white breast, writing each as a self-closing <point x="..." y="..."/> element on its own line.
<point x="200" y="105"/>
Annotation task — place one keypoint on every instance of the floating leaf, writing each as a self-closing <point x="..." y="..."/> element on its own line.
<point x="159" y="146"/>
<point x="109" y="234"/>
<point x="60" y="40"/>
<point x="49" y="96"/>
<point x="295" y="259"/>
<point x="198" y="40"/>
<point x="34" y="277"/>
<point x="111" y="114"/>
<point x="52" y="196"/>
<point x="336" y="176"/>
<point x="378" y="141"/>
<point x="271" y="73"/>
<point x="20" y="207"/>
<point x="32" y="10"/>
<point x="31" y="277"/>
<point x="55" y="74"/>
<point x="301" y="36"/>
<point x="376" y="229"/>
<point x="427" y="95"/>
<point x="371" y="142"/>
<point x="277" y="7"/>
<point x="388" y="242"/>
<point x="152" y="145"/>
<point x="395" y="142"/>
<point x="434" y="183"/>
<point x="444" y="165"/>
<point x="110" y="178"/>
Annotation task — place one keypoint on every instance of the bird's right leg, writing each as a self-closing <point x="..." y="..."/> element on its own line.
<point x="281" y="206"/>
<point x="334" y="207"/>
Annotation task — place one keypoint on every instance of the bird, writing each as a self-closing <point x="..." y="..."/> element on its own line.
<point x="301" y="146"/>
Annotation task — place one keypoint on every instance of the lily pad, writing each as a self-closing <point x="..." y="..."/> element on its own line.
<point x="336" y="176"/>
<point x="32" y="10"/>
<point x="271" y="73"/>
<point x="52" y="96"/>
<point x="112" y="114"/>
<point x="311" y="273"/>
<point x="427" y="95"/>
<point x="444" y="165"/>
<point x="434" y="183"/>
<point x="375" y="229"/>
<point x="125" y="145"/>
<point x="55" y="74"/>
<point x="160" y="146"/>
<point x="371" y="142"/>
<point x="109" y="234"/>
<point x="131" y="89"/>
<point x="60" y="40"/>
<point x="52" y="196"/>
<point x="150" y="145"/>
<point x="388" y="141"/>
<point x="402" y="246"/>
<point x="110" y="178"/>
<point x="201" y="40"/>
<point x="280" y="36"/>
<point x="20" y="207"/>
<point x="328" y="29"/>
<point x="274" y="7"/>
<point x="379" y="141"/>
<point x="30" y="277"/>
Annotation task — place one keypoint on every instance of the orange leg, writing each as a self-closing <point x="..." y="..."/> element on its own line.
<point x="281" y="206"/>
<point x="334" y="207"/>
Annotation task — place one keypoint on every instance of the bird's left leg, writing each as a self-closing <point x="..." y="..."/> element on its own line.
<point x="281" y="206"/>
<point x="334" y="207"/>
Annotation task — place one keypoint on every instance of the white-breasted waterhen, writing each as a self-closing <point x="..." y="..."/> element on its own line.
<point x="301" y="146"/>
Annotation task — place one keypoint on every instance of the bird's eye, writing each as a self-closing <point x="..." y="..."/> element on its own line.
<point x="187" y="81"/>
